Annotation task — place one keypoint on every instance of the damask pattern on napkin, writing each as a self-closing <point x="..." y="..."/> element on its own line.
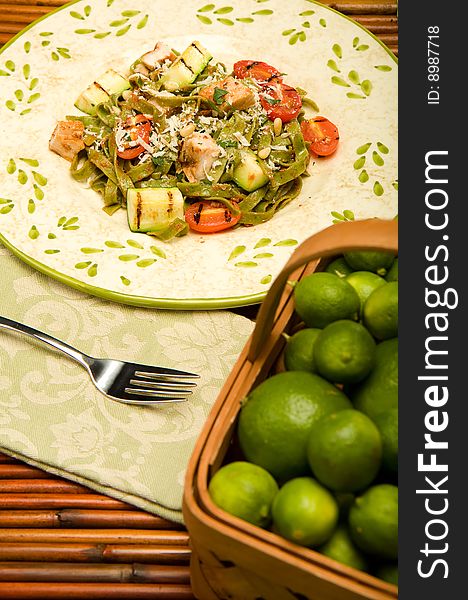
<point x="52" y="416"/>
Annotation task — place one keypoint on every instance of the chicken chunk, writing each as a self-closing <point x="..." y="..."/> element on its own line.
<point x="197" y="155"/>
<point x="156" y="57"/>
<point x="67" y="139"/>
<point x="229" y="93"/>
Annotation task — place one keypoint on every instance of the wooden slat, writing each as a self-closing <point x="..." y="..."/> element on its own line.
<point x="102" y="536"/>
<point x="71" y="518"/>
<point x="4" y="37"/>
<point x="345" y="6"/>
<point x="98" y="573"/>
<point x="146" y="554"/>
<point x="16" y="470"/>
<point x="115" y="519"/>
<point x="378" y="23"/>
<point x="29" y="518"/>
<point x="10" y="28"/>
<point x="93" y="553"/>
<point x="354" y="7"/>
<point x="22" y="14"/>
<point x="389" y="38"/>
<point x="41" y="486"/>
<point x="39" y="501"/>
<point x="5" y="459"/>
<point x="94" y="591"/>
<point x="50" y="3"/>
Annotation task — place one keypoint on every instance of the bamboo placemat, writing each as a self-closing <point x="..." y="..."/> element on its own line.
<point x="61" y="540"/>
<point x="378" y="16"/>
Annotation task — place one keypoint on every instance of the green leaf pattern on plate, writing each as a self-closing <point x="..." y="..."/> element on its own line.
<point x="33" y="233"/>
<point x="142" y="260"/>
<point x="371" y="155"/>
<point x="23" y="96"/>
<point x="253" y="258"/>
<point x="262" y="243"/>
<point x="288" y="242"/>
<point x="361" y="87"/>
<point x="346" y="215"/>
<point x="246" y="263"/>
<point x="6" y="206"/>
<point x="23" y="169"/>
<point x="305" y="20"/>
<point x="117" y="27"/>
<point x="236" y="252"/>
<point x="209" y="14"/>
<point x="56" y="52"/>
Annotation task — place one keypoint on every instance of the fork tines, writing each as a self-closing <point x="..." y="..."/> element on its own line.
<point x="169" y="391"/>
<point x="163" y="386"/>
<point x="157" y="395"/>
<point x="170" y="374"/>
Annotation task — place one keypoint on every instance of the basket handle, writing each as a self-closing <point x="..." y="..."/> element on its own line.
<point x="369" y="234"/>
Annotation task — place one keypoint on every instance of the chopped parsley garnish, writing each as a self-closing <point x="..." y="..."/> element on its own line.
<point x="272" y="101"/>
<point x="218" y="95"/>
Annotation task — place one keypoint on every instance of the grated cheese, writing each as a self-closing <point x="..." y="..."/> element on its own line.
<point x="144" y="145"/>
<point x="242" y="140"/>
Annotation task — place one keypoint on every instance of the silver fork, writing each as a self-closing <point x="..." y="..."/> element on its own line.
<point x="130" y="383"/>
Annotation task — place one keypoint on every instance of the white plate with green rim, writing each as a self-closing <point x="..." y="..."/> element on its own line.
<point x="57" y="225"/>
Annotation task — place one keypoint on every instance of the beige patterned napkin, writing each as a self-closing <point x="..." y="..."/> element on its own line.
<point x="52" y="416"/>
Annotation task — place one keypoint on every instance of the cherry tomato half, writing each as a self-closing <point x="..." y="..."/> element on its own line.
<point x="209" y="217"/>
<point x="280" y="100"/>
<point x="137" y="127"/>
<point x="322" y="135"/>
<point x="260" y="71"/>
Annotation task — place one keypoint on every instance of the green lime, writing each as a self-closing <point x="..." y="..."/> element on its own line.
<point x="345" y="451"/>
<point x="339" y="267"/>
<point x="364" y="282"/>
<point x="373" y="521"/>
<point x="377" y="261"/>
<point x="379" y="391"/>
<point x="299" y="350"/>
<point x="380" y="312"/>
<point x="276" y="419"/>
<point x="387" y="423"/>
<point x="344" y="352"/>
<point x="245" y="491"/>
<point x="388" y="572"/>
<point x="392" y="274"/>
<point x="340" y="547"/>
<point x="322" y="298"/>
<point x="304" y="512"/>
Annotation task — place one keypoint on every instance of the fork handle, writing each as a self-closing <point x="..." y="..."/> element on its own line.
<point x="83" y="359"/>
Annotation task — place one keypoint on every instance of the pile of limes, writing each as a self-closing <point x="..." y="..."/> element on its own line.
<point x="320" y="440"/>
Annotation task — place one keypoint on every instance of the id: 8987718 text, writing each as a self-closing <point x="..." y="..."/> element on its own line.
<point x="433" y="69"/>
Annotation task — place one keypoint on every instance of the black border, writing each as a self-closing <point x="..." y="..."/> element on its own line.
<point x="423" y="128"/>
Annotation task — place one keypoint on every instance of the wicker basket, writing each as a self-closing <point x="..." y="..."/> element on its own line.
<point x="230" y="557"/>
